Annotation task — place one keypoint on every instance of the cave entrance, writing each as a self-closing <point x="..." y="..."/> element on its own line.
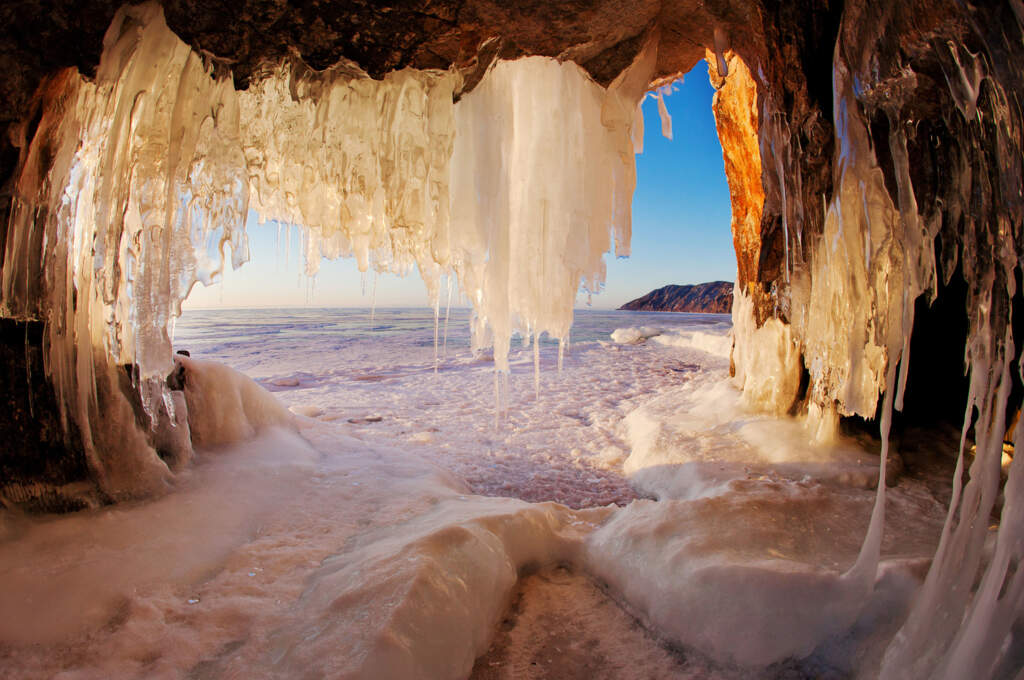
<point x="681" y="212"/>
<point x="356" y="348"/>
<point x="937" y="383"/>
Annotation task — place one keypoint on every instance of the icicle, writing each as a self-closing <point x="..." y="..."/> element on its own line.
<point x="536" y="367"/>
<point x="447" y="311"/>
<point x="865" y="569"/>
<point x="437" y="313"/>
<point x="666" y="120"/>
<point x="561" y="352"/>
<point x="287" y="245"/>
<point x="721" y="45"/>
<point x="373" y="299"/>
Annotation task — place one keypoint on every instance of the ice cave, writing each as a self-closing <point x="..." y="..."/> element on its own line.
<point x="823" y="488"/>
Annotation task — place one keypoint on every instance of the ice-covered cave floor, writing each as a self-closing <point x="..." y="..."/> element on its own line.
<point x="394" y="547"/>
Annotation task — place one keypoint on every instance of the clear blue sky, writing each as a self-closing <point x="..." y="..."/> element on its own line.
<point x="681" y="231"/>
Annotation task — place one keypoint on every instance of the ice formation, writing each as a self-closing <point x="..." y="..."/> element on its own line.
<point x="128" y="190"/>
<point x="524" y="238"/>
<point x="133" y="187"/>
<point x="361" y="164"/>
<point x="634" y="335"/>
<point x="714" y="587"/>
<point x="225" y="406"/>
<point x="850" y="292"/>
<point x="766" y="359"/>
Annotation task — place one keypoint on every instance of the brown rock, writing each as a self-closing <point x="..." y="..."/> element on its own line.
<point x="705" y="298"/>
<point x="736" y="118"/>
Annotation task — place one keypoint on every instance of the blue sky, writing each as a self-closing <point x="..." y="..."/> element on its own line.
<point x="681" y="231"/>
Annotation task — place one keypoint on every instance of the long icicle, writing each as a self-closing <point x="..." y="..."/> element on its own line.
<point x="373" y="299"/>
<point x="437" y="310"/>
<point x="536" y="366"/>
<point x="447" y="311"/>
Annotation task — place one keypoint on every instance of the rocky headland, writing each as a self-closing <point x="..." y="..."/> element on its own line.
<point x="708" y="298"/>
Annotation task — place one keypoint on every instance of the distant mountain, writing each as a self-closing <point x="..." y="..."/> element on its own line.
<point x="707" y="298"/>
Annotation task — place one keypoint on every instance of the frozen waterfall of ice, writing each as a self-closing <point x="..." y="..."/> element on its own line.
<point x="134" y="186"/>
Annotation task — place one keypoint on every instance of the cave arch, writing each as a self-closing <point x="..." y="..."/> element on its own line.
<point x="845" y="240"/>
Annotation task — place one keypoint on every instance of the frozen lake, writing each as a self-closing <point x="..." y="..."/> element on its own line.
<point x="402" y="528"/>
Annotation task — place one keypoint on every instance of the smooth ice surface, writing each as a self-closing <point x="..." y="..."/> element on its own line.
<point x="737" y="577"/>
<point x="695" y="440"/>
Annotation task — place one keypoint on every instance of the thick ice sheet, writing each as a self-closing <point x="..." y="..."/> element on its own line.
<point x="352" y="547"/>
<point x="567" y="445"/>
<point x="282" y="556"/>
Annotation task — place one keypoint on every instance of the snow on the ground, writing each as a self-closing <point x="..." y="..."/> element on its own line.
<point x="386" y="536"/>
<point x="284" y="556"/>
<point x="565" y="446"/>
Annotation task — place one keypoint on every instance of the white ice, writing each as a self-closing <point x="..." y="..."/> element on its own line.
<point x="357" y="547"/>
<point x="140" y="179"/>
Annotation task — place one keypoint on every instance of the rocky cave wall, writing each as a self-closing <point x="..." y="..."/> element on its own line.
<point x="887" y="171"/>
<point x="935" y="83"/>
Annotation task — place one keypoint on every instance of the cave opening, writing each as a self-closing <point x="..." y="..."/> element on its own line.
<point x="323" y="548"/>
<point x="680" y="209"/>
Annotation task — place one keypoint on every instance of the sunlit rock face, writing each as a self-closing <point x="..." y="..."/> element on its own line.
<point x="736" y="119"/>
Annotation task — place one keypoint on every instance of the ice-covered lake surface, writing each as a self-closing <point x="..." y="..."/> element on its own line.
<point x="402" y="530"/>
<point x="375" y="379"/>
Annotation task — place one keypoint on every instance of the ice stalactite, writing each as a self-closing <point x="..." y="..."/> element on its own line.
<point x="666" y="119"/>
<point x="447" y="314"/>
<point x="525" y="238"/>
<point x="853" y="310"/>
<point x="850" y="292"/>
<point x="361" y="164"/>
<point x="130" y="189"/>
<point x="396" y="175"/>
<point x="127" y="191"/>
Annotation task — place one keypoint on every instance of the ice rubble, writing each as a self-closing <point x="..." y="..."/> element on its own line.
<point x="712" y="343"/>
<point x="634" y="335"/>
<point x="717" y="344"/>
<point x="133" y="187"/>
